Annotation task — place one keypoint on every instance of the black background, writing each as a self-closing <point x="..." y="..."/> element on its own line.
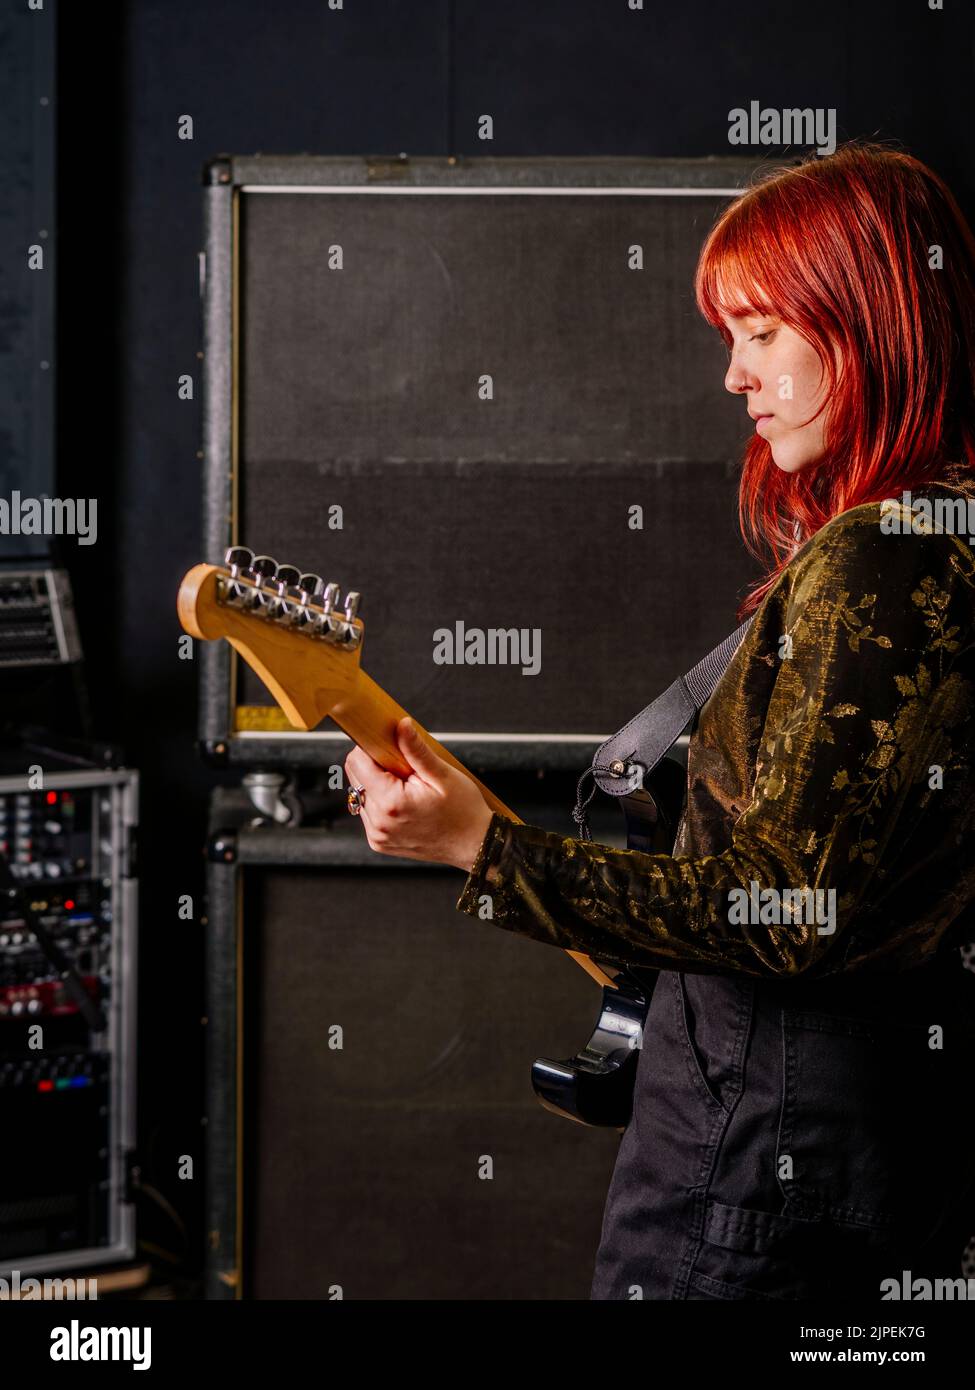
<point x="560" y="77"/>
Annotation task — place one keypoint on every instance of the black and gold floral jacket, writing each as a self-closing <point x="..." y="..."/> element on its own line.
<point x="835" y="754"/>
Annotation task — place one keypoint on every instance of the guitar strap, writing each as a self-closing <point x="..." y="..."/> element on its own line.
<point x="620" y="765"/>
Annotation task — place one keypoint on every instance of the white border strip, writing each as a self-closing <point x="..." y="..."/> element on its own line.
<point x="610" y="191"/>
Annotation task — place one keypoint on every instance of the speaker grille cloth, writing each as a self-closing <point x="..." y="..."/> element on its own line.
<point x="362" y="1164"/>
<point x="359" y="387"/>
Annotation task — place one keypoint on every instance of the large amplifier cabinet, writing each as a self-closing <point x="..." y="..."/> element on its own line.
<point x="372" y="1132"/>
<point x="67" y="1083"/>
<point x="477" y="392"/>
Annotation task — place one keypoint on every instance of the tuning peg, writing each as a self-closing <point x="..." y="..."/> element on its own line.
<point x="262" y="568"/>
<point x="326" y="624"/>
<point x="308" y="591"/>
<point x="351" y="605"/>
<point x="237" y="558"/>
<point x="260" y="572"/>
<point x="311" y="585"/>
<point x="283" y="607"/>
<point x="286" y="576"/>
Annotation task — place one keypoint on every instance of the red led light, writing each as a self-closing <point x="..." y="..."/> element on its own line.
<point x="52" y="798"/>
<point x="68" y="904"/>
<point x="45" y="1085"/>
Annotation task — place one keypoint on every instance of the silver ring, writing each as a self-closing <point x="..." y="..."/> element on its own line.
<point x="356" y="800"/>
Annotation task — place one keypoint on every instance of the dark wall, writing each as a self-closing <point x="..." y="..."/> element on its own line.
<point x="27" y="376"/>
<point x="560" y="77"/>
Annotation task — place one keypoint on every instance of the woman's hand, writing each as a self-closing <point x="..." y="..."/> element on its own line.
<point x="437" y="814"/>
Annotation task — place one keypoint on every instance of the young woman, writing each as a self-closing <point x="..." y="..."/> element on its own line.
<point x="805" y="1099"/>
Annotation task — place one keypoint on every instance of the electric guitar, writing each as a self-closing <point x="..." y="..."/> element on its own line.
<point x="306" y="647"/>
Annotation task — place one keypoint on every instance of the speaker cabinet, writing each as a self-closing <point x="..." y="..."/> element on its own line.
<point x="372" y="1127"/>
<point x="480" y="394"/>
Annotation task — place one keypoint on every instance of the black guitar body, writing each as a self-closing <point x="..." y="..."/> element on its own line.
<point x="596" y="1086"/>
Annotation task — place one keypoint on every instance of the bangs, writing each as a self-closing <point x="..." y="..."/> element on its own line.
<point x="730" y="283"/>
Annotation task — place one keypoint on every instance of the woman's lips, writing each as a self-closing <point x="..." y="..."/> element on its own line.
<point x="760" y="422"/>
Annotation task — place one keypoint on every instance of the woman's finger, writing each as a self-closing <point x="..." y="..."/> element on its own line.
<point x="379" y="839"/>
<point x="362" y="771"/>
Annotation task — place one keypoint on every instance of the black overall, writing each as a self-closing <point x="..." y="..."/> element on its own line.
<point x="794" y="1140"/>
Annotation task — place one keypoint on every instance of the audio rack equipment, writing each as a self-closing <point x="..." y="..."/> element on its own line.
<point x="67" y="1018"/>
<point x="44" y="686"/>
<point x="37" y="621"/>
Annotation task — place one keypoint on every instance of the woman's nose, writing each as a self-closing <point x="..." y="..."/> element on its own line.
<point x="737" y="378"/>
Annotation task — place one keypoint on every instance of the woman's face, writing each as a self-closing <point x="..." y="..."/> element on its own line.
<point x="780" y="376"/>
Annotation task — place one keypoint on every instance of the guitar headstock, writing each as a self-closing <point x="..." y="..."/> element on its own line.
<point x="291" y="627"/>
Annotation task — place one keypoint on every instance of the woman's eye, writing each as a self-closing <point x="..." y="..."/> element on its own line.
<point x="762" y="337"/>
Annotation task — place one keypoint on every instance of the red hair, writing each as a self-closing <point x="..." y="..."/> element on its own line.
<point x="838" y="248"/>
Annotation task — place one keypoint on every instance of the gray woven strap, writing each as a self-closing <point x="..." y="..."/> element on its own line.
<point x="622" y="762"/>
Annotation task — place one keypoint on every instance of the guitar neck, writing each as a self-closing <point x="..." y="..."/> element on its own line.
<point x="369" y="716"/>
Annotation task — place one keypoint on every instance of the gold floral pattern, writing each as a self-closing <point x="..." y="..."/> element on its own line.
<point x="843" y="765"/>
